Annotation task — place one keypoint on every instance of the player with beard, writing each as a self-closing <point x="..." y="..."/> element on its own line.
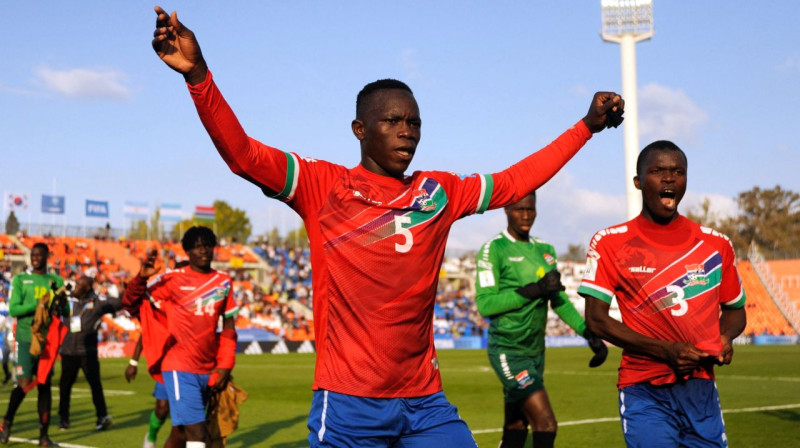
<point x="682" y="305"/>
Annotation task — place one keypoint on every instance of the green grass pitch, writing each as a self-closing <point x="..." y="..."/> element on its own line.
<point x="760" y="395"/>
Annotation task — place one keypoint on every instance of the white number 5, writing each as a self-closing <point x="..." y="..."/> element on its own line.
<point x="400" y="230"/>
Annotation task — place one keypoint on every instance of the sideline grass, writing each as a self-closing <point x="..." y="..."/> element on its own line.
<point x="760" y="396"/>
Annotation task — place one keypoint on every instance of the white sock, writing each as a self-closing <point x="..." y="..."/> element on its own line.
<point x="195" y="445"/>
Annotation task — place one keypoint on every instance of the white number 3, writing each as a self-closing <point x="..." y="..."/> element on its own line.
<point x="400" y="230"/>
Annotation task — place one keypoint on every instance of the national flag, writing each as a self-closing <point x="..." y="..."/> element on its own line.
<point x="16" y="201"/>
<point x="171" y="212"/>
<point x="136" y="210"/>
<point x="204" y="213"/>
<point x="53" y="204"/>
<point x="96" y="209"/>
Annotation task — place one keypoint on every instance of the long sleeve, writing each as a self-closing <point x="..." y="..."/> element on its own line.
<point x="567" y="312"/>
<point x="17" y="306"/>
<point x="491" y="300"/>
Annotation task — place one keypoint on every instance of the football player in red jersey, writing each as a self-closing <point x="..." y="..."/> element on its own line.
<point x="681" y="302"/>
<point x="377" y="238"/>
<point x="179" y="311"/>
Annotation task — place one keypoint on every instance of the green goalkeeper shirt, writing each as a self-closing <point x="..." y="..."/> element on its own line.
<point x="26" y="291"/>
<point x="518" y="324"/>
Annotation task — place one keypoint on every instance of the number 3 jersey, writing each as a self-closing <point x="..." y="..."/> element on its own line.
<point x="670" y="283"/>
<point x="192" y="302"/>
<point x="377" y="245"/>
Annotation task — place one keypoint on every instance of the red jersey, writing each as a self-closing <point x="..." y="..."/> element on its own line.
<point x="193" y="303"/>
<point x="376" y="247"/>
<point x="670" y="282"/>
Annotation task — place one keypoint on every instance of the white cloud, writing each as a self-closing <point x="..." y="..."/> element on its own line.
<point x="566" y="215"/>
<point x="85" y="83"/>
<point x="790" y="63"/>
<point x="579" y="90"/>
<point x="668" y="114"/>
<point x="720" y="206"/>
<point x="408" y="58"/>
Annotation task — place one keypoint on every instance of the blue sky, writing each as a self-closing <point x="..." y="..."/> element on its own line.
<point x="88" y="106"/>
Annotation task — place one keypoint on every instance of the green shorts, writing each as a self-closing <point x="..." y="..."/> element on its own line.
<point x="25" y="363"/>
<point x="521" y="375"/>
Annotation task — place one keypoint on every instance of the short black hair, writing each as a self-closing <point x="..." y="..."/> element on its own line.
<point x="362" y="100"/>
<point x="41" y="246"/>
<point x="658" y="145"/>
<point x="196" y="233"/>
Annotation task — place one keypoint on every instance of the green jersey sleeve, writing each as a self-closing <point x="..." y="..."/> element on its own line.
<point x="490" y="299"/>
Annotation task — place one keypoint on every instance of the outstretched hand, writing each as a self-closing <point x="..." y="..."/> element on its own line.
<point x="149" y="265"/>
<point x="602" y="103"/>
<point x="177" y="46"/>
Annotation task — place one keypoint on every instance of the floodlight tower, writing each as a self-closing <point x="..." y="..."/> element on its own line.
<point x="627" y="22"/>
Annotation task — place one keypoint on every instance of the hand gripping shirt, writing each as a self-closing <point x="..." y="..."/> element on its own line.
<point x="518" y="324"/>
<point x="670" y="282"/>
<point x="376" y="247"/>
<point x="192" y="303"/>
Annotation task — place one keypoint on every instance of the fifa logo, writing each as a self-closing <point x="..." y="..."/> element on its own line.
<point x="696" y="275"/>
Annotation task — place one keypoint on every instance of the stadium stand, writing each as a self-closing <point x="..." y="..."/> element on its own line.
<point x="787" y="273"/>
<point x="763" y="316"/>
<point x="272" y="285"/>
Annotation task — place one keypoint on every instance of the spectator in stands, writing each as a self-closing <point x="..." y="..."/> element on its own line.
<point x="79" y="350"/>
<point x="682" y="305"/>
<point x="517" y="277"/>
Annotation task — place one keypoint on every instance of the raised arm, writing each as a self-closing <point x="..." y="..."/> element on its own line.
<point x="177" y="46"/>
<point x="137" y="287"/>
<point x="520" y="179"/>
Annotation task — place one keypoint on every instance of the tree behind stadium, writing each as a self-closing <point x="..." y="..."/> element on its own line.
<point x="769" y="218"/>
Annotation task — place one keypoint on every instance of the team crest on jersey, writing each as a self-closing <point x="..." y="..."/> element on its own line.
<point x="524" y="379"/>
<point x="695" y="275"/>
<point x="549" y="259"/>
<point x="423" y="200"/>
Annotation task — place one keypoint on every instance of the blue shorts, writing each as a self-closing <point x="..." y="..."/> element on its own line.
<point x="338" y="420"/>
<point x="160" y="392"/>
<point x="677" y="415"/>
<point x="188" y="395"/>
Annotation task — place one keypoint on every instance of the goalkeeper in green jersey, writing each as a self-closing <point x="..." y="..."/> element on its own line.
<point x="517" y="277"/>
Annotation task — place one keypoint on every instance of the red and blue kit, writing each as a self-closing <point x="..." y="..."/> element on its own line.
<point x="670" y="283"/>
<point x="376" y="247"/>
<point x="193" y="303"/>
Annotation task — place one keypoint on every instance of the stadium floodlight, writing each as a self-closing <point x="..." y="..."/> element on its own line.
<point x="627" y="22"/>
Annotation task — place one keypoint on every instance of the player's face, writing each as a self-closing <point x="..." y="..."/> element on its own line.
<point x="521" y="216"/>
<point x="389" y="132"/>
<point x="201" y="255"/>
<point x="663" y="184"/>
<point x="39" y="259"/>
